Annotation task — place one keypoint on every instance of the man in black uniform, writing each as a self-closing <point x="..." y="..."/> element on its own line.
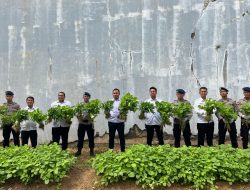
<point x="221" y="122"/>
<point x="85" y="124"/>
<point x="7" y="128"/>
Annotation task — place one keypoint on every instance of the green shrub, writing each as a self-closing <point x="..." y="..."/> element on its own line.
<point x="165" y="165"/>
<point x="46" y="162"/>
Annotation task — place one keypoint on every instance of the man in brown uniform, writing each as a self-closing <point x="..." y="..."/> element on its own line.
<point x="7" y="128"/>
<point x="244" y="129"/>
<point x="222" y="130"/>
<point x="180" y="93"/>
<point x="85" y="125"/>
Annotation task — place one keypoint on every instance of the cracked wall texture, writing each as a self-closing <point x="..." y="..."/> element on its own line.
<point x="95" y="45"/>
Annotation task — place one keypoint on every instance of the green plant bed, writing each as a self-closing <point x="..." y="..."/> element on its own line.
<point x="46" y="162"/>
<point x="164" y="165"/>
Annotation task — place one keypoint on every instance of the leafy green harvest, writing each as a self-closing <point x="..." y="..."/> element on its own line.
<point x="39" y="117"/>
<point x="165" y="109"/>
<point x="128" y="103"/>
<point x="92" y="108"/>
<point x="145" y="107"/>
<point x="60" y="113"/>
<point x="107" y="107"/>
<point x="245" y="109"/>
<point x="209" y="106"/>
<point x="227" y="112"/>
<point x="163" y="166"/>
<point x="181" y="111"/>
<point x="46" y="162"/>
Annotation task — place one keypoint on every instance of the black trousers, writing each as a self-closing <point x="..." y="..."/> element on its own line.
<point x="232" y="132"/>
<point x="60" y="132"/>
<point x="6" y="136"/>
<point x="205" y="129"/>
<point x="244" y="133"/>
<point x="186" y="134"/>
<point x="120" y="129"/>
<point x="150" y="134"/>
<point x="25" y="135"/>
<point x="82" y="128"/>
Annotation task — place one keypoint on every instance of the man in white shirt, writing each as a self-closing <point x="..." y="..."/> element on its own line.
<point x="153" y="120"/>
<point x="204" y="127"/>
<point x="60" y="129"/>
<point x="114" y="123"/>
<point x="28" y="127"/>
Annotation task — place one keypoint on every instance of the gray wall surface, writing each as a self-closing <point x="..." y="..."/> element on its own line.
<point x="74" y="46"/>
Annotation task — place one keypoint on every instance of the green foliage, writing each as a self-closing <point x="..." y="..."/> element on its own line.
<point x="164" y="165"/>
<point x="128" y="103"/>
<point x="209" y="106"/>
<point x="245" y="109"/>
<point x="181" y="111"/>
<point x="165" y="109"/>
<point x="60" y="113"/>
<point x="39" y="117"/>
<point x="145" y="107"/>
<point x="46" y="162"/>
<point x="92" y="108"/>
<point x="227" y="112"/>
<point x="21" y="115"/>
<point x="5" y="118"/>
<point x="107" y="107"/>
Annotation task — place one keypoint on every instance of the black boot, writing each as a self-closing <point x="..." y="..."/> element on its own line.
<point x="79" y="152"/>
<point x="91" y="152"/>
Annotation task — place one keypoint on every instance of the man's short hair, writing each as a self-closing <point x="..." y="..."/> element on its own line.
<point x="152" y="87"/>
<point x="30" y="97"/>
<point x="203" y="88"/>
<point x="116" y="89"/>
<point x="61" y="93"/>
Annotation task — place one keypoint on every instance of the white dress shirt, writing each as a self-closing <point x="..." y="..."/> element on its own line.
<point x="114" y="113"/>
<point x="28" y="125"/>
<point x="153" y="118"/>
<point x="62" y="123"/>
<point x="200" y="112"/>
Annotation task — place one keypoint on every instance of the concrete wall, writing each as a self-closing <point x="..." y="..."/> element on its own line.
<point x="74" y="46"/>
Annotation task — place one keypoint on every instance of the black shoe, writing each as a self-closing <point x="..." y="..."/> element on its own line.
<point x="78" y="153"/>
<point x="91" y="152"/>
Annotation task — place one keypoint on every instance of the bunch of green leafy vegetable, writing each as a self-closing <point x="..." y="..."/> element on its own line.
<point x="209" y="107"/>
<point x="145" y="107"/>
<point x="39" y="117"/>
<point x="107" y="107"/>
<point x="181" y="111"/>
<point x="165" y="109"/>
<point x="245" y="110"/>
<point x="128" y="103"/>
<point x="92" y="108"/>
<point x="18" y="117"/>
<point x="227" y="112"/>
<point x="60" y="113"/>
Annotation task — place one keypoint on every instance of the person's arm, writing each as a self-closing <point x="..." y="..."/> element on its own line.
<point x="197" y="110"/>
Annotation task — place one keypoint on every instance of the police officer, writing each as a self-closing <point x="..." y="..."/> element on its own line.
<point x="28" y="127"/>
<point x="180" y="93"/>
<point x="7" y="128"/>
<point x="85" y="125"/>
<point x="244" y="129"/>
<point x="153" y="120"/>
<point x="60" y="129"/>
<point x="221" y="122"/>
<point x="115" y="123"/>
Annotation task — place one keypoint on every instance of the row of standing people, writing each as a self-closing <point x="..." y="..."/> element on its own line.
<point x="60" y="129"/>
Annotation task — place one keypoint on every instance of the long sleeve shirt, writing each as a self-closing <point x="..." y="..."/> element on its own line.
<point x="28" y="125"/>
<point x="201" y="114"/>
<point x="114" y="113"/>
<point x="62" y="123"/>
<point x="189" y="116"/>
<point x="153" y="118"/>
